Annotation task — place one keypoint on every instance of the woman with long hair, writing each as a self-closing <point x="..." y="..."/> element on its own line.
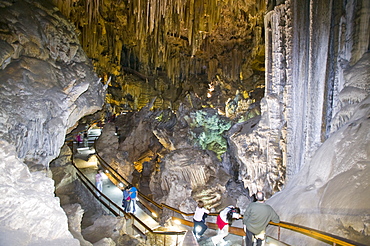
<point x="224" y="219"/>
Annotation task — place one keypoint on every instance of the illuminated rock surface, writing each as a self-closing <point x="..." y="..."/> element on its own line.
<point x="47" y="82"/>
<point x="169" y="49"/>
<point x="30" y="214"/>
<point x="47" y="85"/>
<point x="332" y="191"/>
<point x="307" y="136"/>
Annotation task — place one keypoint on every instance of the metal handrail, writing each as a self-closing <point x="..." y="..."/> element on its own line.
<point x="327" y="237"/>
<point x="120" y="178"/>
<point x="113" y="207"/>
<point x="92" y="188"/>
<point x="316" y="234"/>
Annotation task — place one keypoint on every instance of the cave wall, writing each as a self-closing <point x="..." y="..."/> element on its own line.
<point x="326" y="37"/>
<point x="331" y="192"/>
<point x="47" y="81"/>
<point x="322" y="74"/>
<point x="30" y="213"/>
<point x="309" y="44"/>
<point x="47" y="85"/>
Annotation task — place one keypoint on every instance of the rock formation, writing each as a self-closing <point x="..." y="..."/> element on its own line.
<point x="47" y="85"/>
<point x="164" y="156"/>
<point x="326" y="116"/>
<point x="169" y="49"/>
<point x="310" y="94"/>
<point x="211" y="135"/>
<point x="307" y="97"/>
<point x="30" y="213"/>
<point x="331" y="193"/>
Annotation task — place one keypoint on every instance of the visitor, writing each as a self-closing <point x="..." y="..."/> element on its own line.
<point x="126" y="200"/>
<point x="99" y="182"/>
<point x="224" y="220"/>
<point x="199" y="220"/>
<point x="133" y="196"/>
<point x="256" y="218"/>
<point x="86" y="143"/>
<point x="78" y="139"/>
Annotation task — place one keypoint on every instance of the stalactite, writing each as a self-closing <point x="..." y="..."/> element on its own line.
<point x="182" y="37"/>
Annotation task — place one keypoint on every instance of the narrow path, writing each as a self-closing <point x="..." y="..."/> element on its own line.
<point x="114" y="193"/>
<point x="85" y="158"/>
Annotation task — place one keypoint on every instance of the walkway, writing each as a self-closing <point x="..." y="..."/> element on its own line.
<point x="86" y="160"/>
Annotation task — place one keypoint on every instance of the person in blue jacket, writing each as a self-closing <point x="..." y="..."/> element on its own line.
<point x="133" y="196"/>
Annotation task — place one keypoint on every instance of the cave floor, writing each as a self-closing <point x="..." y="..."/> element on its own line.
<point x="115" y="194"/>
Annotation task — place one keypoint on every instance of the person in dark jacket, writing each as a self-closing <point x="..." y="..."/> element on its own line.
<point x="256" y="218"/>
<point x="126" y="199"/>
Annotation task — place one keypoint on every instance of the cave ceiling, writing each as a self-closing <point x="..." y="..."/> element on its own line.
<point x="168" y="49"/>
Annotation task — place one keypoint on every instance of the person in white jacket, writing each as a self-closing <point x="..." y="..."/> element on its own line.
<point x="199" y="220"/>
<point x="99" y="182"/>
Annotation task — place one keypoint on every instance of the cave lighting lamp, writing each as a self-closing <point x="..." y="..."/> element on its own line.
<point x="177" y="222"/>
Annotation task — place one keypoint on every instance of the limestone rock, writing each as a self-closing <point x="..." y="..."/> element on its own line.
<point x="327" y="186"/>
<point x="256" y="146"/>
<point x="334" y="194"/>
<point x="160" y="152"/>
<point x="74" y="214"/>
<point x="153" y="54"/>
<point x="187" y="175"/>
<point x="127" y="240"/>
<point x="48" y="83"/>
<point x="106" y="242"/>
<point x="105" y="227"/>
<point x="64" y="178"/>
<point x="64" y="157"/>
<point x="356" y="89"/>
<point x="30" y="214"/>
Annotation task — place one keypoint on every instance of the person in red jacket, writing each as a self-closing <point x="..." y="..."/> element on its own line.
<point x="224" y="219"/>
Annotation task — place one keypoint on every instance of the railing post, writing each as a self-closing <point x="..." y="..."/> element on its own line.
<point x="278" y="233"/>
